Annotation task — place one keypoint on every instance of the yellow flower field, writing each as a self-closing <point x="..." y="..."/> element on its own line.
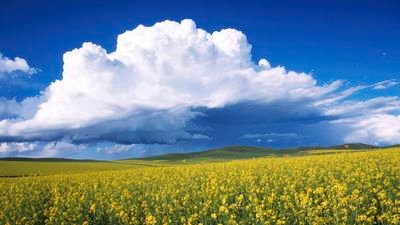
<point x="345" y="188"/>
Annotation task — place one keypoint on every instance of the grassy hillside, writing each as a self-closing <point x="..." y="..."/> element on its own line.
<point x="219" y="154"/>
<point x="350" y="146"/>
<point x="248" y="152"/>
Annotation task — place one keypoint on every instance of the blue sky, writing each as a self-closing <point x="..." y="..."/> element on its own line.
<point x="354" y="43"/>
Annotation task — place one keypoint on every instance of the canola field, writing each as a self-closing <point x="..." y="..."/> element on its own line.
<point x="345" y="188"/>
<point x="16" y="169"/>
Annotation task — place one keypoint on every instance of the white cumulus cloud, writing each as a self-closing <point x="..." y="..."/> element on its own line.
<point x="8" y="66"/>
<point x="380" y="129"/>
<point x="7" y="148"/>
<point x="146" y="90"/>
<point x="150" y="87"/>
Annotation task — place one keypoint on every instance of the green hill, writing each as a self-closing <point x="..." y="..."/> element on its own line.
<point x="219" y="154"/>
<point x="246" y="152"/>
<point x="350" y="146"/>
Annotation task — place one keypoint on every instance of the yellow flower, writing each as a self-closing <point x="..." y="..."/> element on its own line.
<point x="93" y="208"/>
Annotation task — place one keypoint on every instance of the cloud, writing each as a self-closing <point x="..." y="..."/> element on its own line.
<point x="162" y="78"/>
<point x="41" y="149"/>
<point x="115" y="149"/>
<point x="8" y="108"/>
<point x="271" y="135"/>
<point x="10" y="66"/>
<point x="380" y="129"/>
<point x="280" y="138"/>
<point x="53" y="149"/>
<point x="11" y="148"/>
<point x="25" y="109"/>
<point x="148" y="89"/>
<point x="385" y="84"/>
<point x="379" y="105"/>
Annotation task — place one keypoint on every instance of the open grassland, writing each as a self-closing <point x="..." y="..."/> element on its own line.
<point x="345" y="188"/>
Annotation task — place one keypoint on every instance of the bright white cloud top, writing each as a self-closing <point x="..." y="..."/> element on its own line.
<point x="153" y="84"/>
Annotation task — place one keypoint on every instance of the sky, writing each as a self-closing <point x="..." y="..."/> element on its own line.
<point x="118" y="79"/>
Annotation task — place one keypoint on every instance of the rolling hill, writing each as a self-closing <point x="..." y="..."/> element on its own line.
<point x="350" y="146"/>
<point x="226" y="153"/>
<point x="246" y="152"/>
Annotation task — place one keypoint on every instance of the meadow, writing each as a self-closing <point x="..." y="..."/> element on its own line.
<point x="340" y="188"/>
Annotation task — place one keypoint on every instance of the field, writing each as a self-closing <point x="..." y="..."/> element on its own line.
<point x="346" y="187"/>
<point x="16" y="169"/>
